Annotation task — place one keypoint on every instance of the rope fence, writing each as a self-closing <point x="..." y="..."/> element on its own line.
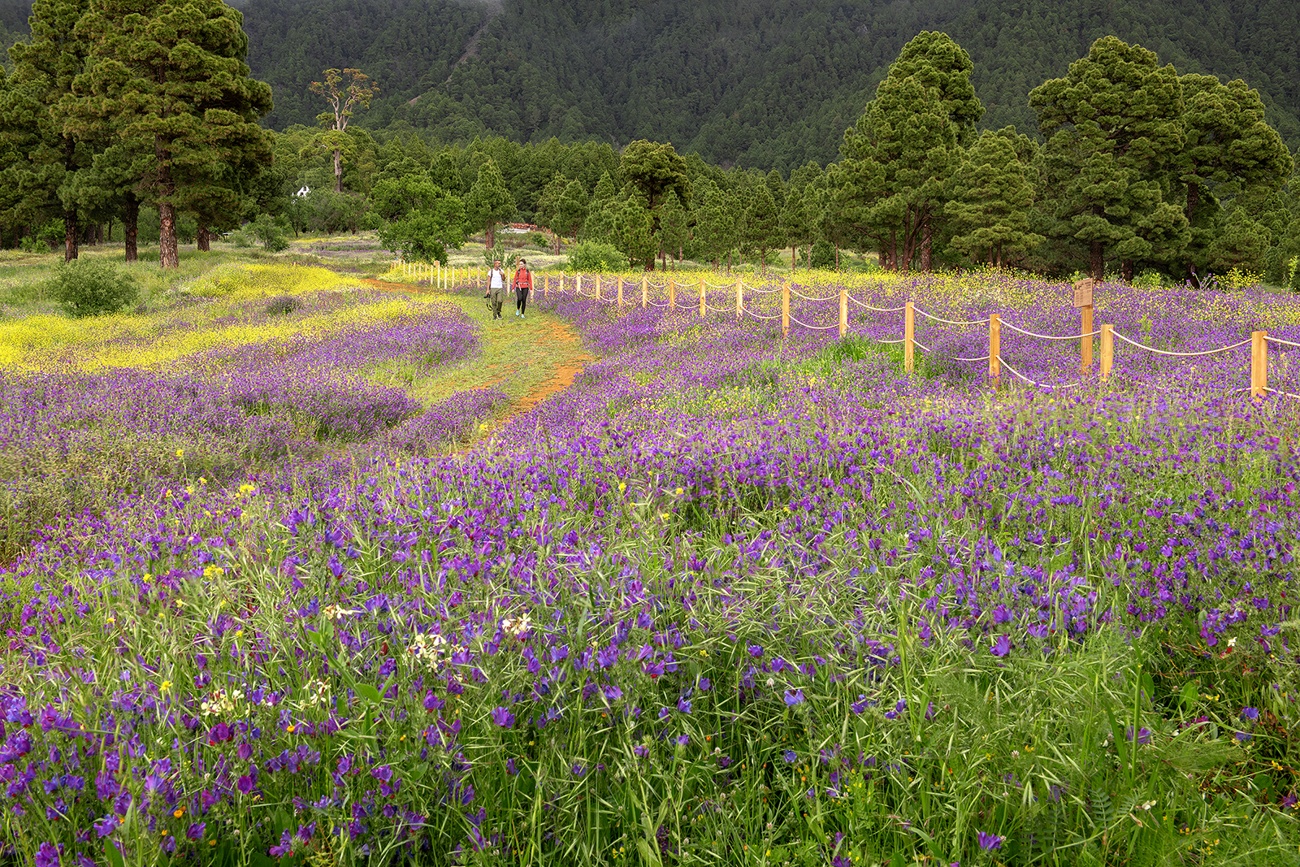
<point x="590" y="286"/>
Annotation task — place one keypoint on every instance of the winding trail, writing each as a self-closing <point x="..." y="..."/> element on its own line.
<point x="530" y="359"/>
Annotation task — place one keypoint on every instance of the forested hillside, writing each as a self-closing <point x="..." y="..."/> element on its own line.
<point x="765" y="83"/>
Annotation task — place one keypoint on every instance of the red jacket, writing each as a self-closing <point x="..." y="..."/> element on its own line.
<point x="523" y="279"/>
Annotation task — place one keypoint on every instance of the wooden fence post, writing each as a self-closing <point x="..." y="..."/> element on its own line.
<point x="620" y="293"/>
<point x="672" y="294"/>
<point x="740" y="299"/>
<point x="645" y="291"/>
<point x="1258" y="363"/>
<point x="844" y="312"/>
<point x="995" y="350"/>
<point x="597" y="287"/>
<point x="785" y="309"/>
<point x="1107" y="351"/>
<point x="909" y="338"/>
<point x="701" y="297"/>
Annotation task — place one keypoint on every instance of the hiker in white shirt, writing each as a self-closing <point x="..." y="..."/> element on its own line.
<point x="496" y="293"/>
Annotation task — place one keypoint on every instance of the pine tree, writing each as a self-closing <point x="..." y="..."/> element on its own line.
<point x="991" y="199"/>
<point x="173" y="77"/>
<point x="901" y="153"/>
<point x="716" y="222"/>
<point x="674" y="226"/>
<point x="48" y="158"/>
<point x="489" y="201"/>
<point x="761" y="225"/>
<point x="1229" y="149"/>
<point x="1113" y="130"/>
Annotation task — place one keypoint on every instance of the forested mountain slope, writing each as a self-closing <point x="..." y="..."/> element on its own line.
<point x="759" y="82"/>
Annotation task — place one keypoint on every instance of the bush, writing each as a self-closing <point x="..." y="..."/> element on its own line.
<point x="823" y="254"/>
<point x="282" y="305"/>
<point x="88" y="288"/>
<point x="270" y="231"/>
<point x="596" y="256"/>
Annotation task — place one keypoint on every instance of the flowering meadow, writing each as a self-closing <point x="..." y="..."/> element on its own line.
<point x="732" y="598"/>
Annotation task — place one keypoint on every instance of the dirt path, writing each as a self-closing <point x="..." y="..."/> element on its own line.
<point x="530" y="359"/>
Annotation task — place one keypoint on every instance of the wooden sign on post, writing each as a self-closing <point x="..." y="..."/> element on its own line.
<point x="1083" y="292"/>
<point x="1083" y="300"/>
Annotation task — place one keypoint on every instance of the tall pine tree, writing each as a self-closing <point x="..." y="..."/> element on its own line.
<point x="173" y="76"/>
<point x="1113" y="130"/>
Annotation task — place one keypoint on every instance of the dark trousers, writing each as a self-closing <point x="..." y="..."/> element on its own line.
<point x="496" y="308"/>
<point x="521" y="298"/>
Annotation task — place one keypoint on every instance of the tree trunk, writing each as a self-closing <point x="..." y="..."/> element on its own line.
<point x="837" y="257"/>
<point x="204" y="239"/>
<point x="69" y="235"/>
<point x="130" y="227"/>
<point x="1097" y="261"/>
<point x="168" y="253"/>
<point x="490" y="236"/>
<point x="1126" y="270"/>
<point x="1193" y="199"/>
<point x="794" y="257"/>
<point x="927" y="241"/>
<point x="338" y="171"/>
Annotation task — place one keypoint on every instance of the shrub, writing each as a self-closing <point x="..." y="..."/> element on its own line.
<point x="596" y="256"/>
<point x="88" y="288"/>
<point x="282" y="305"/>
<point x="270" y="231"/>
<point x="823" y="254"/>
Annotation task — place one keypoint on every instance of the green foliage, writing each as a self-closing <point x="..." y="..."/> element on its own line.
<point x="489" y="201"/>
<point x="992" y="191"/>
<point x="596" y="256"/>
<point x="92" y="288"/>
<point x="772" y="85"/>
<point x="1113" y="127"/>
<point x="270" y="231"/>
<point x="172" y="76"/>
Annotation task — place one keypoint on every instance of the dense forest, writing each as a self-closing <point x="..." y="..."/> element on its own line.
<point x="767" y="83"/>
<point x="149" y="116"/>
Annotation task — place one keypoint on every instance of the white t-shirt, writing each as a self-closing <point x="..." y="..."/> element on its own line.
<point x="498" y="280"/>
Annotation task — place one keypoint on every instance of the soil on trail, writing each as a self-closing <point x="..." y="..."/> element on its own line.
<point x="529" y="359"/>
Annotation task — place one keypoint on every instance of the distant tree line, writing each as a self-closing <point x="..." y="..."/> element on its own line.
<point x="1134" y="166"/>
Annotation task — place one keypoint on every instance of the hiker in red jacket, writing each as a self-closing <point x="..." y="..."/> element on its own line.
<point x="522" y="283"/>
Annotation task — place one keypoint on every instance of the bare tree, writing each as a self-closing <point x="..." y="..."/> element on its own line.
<point x="343" y="100"/>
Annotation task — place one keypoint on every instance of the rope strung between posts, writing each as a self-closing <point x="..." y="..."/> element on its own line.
<point x="749" y="312"/>
<point x="1272" y="339"/>
<point x="1282" y="393"/>
<point x="712" y="309"/>
<point x="921" y="346"/>
<point x="814" y="327"/>
<point x="981" y="358"/>
<point x="1181" y="354"/>
<point x="891" y="342"/>
<point x="950" y="321"/>
<point x="1006" y="324"/>
<point x="876" y="309"/>
<point x="656" y="303"/>
<point x="810" y="298"/>
<point x="720" y="285"/>
<point x="1024" y="378"/>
